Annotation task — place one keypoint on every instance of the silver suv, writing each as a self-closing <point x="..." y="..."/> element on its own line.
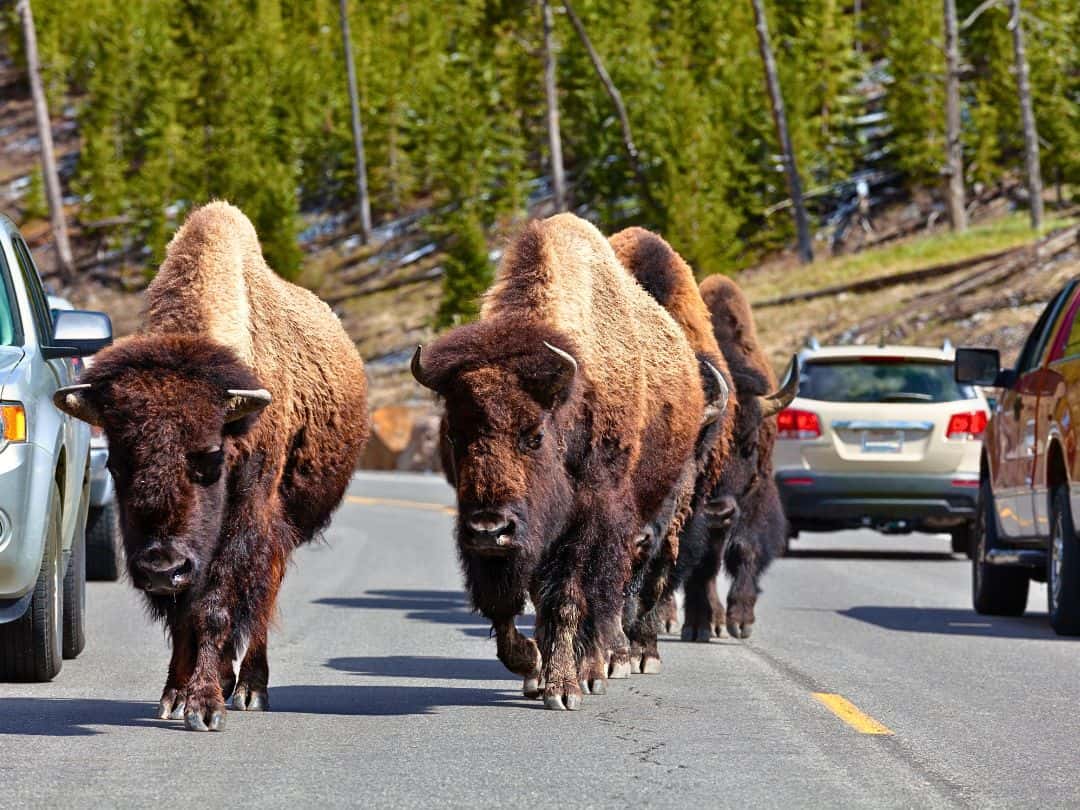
<point x="44" y="470"/>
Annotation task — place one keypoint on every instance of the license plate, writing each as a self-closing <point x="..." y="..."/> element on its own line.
<point x="883" y="441"/>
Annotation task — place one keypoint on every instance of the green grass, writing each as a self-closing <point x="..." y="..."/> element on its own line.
<point x="910" y="254"/>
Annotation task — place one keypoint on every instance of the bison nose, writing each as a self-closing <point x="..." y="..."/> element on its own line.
<point x="163" y="573"/>
<point x="492" y="528"/>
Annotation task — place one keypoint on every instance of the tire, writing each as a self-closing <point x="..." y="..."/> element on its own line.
<point x="995" y="590"/>
<point x="104" y="551"/>
<point x="75" y="597"/>
<point x="1063" y="567"/>
<point x="963" y="540"/>
<point x="31" y="648"/>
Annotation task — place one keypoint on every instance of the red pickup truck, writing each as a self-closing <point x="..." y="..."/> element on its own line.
<point x="1030" y="469"/>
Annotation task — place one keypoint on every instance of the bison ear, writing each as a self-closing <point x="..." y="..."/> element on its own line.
<point x="242" y="402"/>
<point x="73" y="400"/>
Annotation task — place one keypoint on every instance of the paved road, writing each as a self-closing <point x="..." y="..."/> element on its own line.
<point x="386" y="693"/>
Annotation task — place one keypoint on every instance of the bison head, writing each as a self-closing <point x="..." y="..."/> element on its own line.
<point x="506" y="389"/>
<point x="172" y="408"/>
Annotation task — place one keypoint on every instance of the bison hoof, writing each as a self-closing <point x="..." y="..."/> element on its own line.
<point x="696" y="633"/>
<point x="597" y="686"/>
<point x="619" y="669"/>
<point x="561" y="703"/>
<point x="211" y="718"/>
<point x="720" y="631"/>
<point x="250" y="699"/>
<point x="171" y="705"/>
<point x="739" y="629"/>
<point x="650" y="665"/>
<point x="532" y="688"/>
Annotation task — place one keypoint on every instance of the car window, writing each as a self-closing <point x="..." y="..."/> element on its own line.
<point x="881" y="379"/>
<point x="9" y="332"/>
<point x="1032" y="352"/>
<point x="38" y="301"/>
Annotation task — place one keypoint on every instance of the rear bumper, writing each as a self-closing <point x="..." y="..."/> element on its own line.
<point x="890" y="502"/>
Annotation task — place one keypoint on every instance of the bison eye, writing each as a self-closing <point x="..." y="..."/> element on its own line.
<point x="531" y="440"/>
<point x="205" y="467"/>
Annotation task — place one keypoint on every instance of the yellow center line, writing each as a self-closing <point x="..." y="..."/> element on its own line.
<point x="850" y="714"/>
<point x="401" y="504"/>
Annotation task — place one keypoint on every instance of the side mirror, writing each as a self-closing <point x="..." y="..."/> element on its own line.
<point x="978" y="367"/>
<point x="78" y="333"/>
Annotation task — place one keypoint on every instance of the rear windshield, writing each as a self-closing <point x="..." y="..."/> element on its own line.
<point x="881" y="379"/>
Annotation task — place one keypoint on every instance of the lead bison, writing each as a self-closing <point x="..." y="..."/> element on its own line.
<point x="234" y="419"/>
<point x="572" y="406"/>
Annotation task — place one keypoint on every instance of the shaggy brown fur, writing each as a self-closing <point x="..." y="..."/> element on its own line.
<point x="212" y="508"/>
<point x="558" y="467"/>
<point x="669" y="279"/>
<point x="756" y="529"/>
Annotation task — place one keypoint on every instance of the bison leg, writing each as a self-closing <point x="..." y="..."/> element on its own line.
<point x="181" y="665"/>
<point x="617" y="647"/>
<point x="519" y="654"/>
<point x="251" y="693"/>
<point x="227" y="670"/>
<point x="744" y="564"/>
<point x="669" y="614"/>
<point x="644" y="632"/>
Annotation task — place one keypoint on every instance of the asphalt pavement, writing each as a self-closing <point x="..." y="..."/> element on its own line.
<point x="869" y="682"/>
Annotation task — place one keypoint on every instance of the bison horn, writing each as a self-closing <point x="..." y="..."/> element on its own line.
<point x="780" y="399"/>
<point x="72" y="400"/>
<point x="715" y="407"/>
<point x="417" y="368"/>
<point x="566" y="357"/>
<point x="242" y="402"/>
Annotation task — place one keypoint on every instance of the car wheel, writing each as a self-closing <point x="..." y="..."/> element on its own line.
<point x="104" y="551"/>
<point x="1063" y="567"/>
<point x="31" y="648"/>
<point x="995" y="590"/>
<point x="963" y="541"/>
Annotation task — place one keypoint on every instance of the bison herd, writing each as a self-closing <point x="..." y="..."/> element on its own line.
<point x="606" y="428"/>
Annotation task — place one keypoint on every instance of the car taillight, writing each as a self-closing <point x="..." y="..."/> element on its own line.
<point x="792" y="423"/>
<point x="970" y="425"/>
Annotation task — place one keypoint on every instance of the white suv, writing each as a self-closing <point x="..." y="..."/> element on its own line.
<point x="881" y="437"/>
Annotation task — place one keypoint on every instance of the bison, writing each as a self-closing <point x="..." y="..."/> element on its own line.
<point x="746" y="515"/>
<point x="572" y="406"/>
<point x="235" y="419"/>
<point x="666" y="276"/>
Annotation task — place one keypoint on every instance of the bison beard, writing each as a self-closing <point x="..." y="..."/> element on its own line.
<point x="571" y="409"/>
<point x="217" y="482"/>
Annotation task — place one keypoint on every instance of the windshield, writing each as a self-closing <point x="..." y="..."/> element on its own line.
<point x="7" y="306"/>
<point x="881" y="379"/>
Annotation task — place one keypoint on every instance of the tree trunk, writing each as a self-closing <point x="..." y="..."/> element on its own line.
<point x="617" y="101"/>
<point x="558" y="179"/>
<point x="48" y="155"/>
<point x="791" y="170"/>
<point x="1031" y="136"/>
<point x="362" y="200"/>
<point x="954" y="147"/>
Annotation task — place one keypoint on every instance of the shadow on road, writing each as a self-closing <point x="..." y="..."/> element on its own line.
<point x="953" y="622"/>
<point x="70" y="717"/>
<point x="438" y="607"/>
<point x="861" y="554"/>
<point x="381" y="701"/>
<point x="423" y="666"/>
